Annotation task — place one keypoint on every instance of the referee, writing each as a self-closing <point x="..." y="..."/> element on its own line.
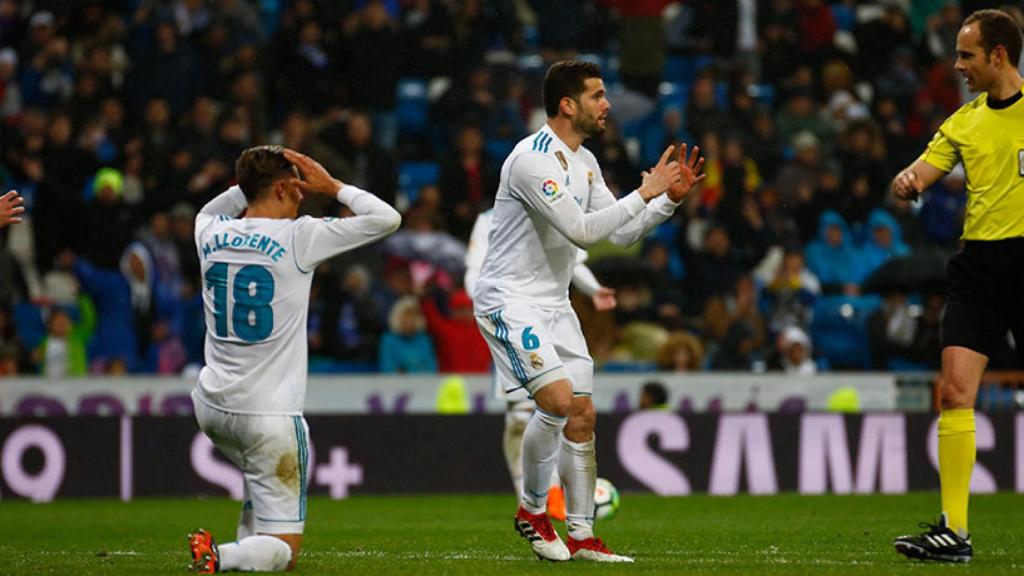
<point x="985" y="293"/>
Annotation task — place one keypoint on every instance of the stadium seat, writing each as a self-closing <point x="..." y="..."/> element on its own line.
<point x="684" y="68"/>
<point x="628" y="366"/>
<point x="673" y="95"/>
<point x="497" y="150"/>
<point x="764" y="94"/>
<point x="839" y="333"/>
<point x="412" y="109"/>
<point x="412" y="176"/>
<point x="29" y="324"/>
<point x="722" y="95"/>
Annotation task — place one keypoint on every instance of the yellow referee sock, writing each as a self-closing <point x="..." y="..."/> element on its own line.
<point x="956" y="461"/>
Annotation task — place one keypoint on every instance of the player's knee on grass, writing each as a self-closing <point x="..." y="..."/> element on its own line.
<point x="294" y="541"/>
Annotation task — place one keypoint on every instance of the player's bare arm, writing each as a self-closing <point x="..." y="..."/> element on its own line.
<point x="915" y="179"/>
<point x="11" y="208"/>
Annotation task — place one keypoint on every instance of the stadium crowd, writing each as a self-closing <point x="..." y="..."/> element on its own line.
<point x="118" y="119"/>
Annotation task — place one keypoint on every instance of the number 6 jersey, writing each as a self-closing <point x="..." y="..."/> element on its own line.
<point x="256" y="280"/>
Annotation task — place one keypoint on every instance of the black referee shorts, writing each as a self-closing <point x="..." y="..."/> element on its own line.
<point x="985" y="297"/>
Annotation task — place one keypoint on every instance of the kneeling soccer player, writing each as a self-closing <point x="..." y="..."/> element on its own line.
<point x="257" y="272"/>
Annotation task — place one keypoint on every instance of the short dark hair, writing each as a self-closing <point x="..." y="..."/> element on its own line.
<point x="997" y="29"/>
<point x="566" y="78"/>
<point x="656" y="391"/>
<point x="259" y="167"/>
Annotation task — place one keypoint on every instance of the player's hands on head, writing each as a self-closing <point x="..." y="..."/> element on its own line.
<point x="907" y="186"/>
<point x="315" y="178"/>
<point x="604" y="299"/>
<point x="661" y="176"/>
<point x="11" y="208"/>
<point x="690" y="174"/>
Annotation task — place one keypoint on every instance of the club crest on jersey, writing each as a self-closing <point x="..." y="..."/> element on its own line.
<point x="550" y="190"/>
<point x="562" y="160"/>
<point x="536" y="361"/>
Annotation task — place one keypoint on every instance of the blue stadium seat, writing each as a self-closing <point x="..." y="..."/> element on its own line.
<point x="29" y="324"/>
<point x="412" y="109"/>
<point x="764" y="94"/>
<point x="839" y="331"/>
<point x="684" y="68"/>
<point x="673" y="95"/>
<point x="722" y="95"/>
<point x="412" y="176"/>
<point x="628" y="366"/>
<point x="497" y="149"/>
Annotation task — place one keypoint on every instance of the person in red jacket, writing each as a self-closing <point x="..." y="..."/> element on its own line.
<point x="460" y="347"/>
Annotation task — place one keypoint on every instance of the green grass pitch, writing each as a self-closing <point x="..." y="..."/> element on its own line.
<point x="473" y="535"/>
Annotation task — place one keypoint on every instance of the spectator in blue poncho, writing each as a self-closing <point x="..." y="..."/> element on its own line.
<point x="942" y="215"/>
<point x="885" y="241"/>
<point x="406" y="347"/>
<point x="833" y="258"/>
<point x="114" y="338"/>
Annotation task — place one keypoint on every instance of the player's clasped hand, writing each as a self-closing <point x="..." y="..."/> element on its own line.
<point x="664" y="174"/>
<point x="10" y="208"/>
<point x="907" y="186"/>
<point x="315" y="178"/>
<point x="690" y="175"/>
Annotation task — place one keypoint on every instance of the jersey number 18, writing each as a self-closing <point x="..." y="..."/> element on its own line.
<point x="252" y="316"/>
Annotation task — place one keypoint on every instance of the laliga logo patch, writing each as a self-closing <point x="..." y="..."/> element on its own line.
<point x="536" y="361"/>
<point x="550" y="189"/>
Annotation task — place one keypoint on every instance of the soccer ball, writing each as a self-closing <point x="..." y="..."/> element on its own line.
<point x="606" y="499"/>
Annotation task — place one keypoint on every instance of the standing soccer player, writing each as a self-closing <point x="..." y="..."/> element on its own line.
<point x="985" y="279"/>
<point x="257" y="272"/>
<point x="551" y="201"/>
<point x="11" y="208"/>
<point x="518" y="405"/>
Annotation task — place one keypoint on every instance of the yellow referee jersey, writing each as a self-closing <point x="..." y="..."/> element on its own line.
<point x="990" y="142"/>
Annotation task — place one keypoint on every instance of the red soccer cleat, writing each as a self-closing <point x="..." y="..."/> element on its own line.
<point x="544" y="541"/>
<point x="205" y="556"/>
<point x="593" y="549"/>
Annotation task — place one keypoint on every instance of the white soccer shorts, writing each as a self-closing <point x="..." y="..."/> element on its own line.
<point x="273" y="453"/>
<point x="533" y="347"/>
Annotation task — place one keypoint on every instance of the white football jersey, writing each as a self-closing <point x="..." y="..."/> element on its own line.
<point x="551" y="202"/>
<point x="582" y="278"/>
<point x="256" y="280"/>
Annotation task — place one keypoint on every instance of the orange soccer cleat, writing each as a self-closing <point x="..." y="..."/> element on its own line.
<point x="205" y="556"/>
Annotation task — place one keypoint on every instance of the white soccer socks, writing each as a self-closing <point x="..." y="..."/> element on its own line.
<point x="540" y="457"/>
<point x="512" y="443"/>
<point x="255" y="554"/>
<point x="577" y="465"/>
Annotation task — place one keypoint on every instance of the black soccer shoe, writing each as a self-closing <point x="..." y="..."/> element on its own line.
<point x="938" y="543"/>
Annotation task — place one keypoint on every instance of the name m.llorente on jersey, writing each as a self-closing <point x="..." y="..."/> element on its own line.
<point x="257" y="274"/>
<point x="258" y="242"/>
